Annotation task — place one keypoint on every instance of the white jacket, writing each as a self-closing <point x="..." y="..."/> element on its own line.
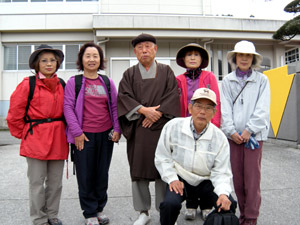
<point x="251" y="111"/>
<point x="178" y="153"/>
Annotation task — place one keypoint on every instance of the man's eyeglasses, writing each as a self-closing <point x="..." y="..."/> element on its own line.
<point x="45" y="61"/>
<point x="206" y="108"/>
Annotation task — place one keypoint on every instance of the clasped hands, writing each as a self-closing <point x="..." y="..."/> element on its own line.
<point x="151" y="114"/>
<point x="243" y="138"/>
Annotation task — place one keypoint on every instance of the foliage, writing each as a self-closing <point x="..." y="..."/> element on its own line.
<point x="292" y="27"/>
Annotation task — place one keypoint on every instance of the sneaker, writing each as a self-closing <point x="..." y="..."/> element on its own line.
<point x="92" y="221"/>
<point x="142" y="220"/>
<point x="54" y="221"/>
<point x="190" y="214"/>
<point x="205" y="213"/>
<point x="102" y="218"/>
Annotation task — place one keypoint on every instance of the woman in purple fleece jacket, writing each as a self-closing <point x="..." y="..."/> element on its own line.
<point x="90" y="119"/>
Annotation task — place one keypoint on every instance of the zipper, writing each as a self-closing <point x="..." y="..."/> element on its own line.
<point x="195" y="149"/>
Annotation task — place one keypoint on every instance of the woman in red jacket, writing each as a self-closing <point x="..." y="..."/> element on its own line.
<point x="42" y="131"/>
<point x="195" y="58"/>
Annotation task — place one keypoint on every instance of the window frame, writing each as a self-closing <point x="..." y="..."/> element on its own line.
<point x="33" y="47"/>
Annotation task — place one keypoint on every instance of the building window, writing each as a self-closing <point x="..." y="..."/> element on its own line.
<point x="10" y="57"/>
<point x="292" y="56"/>
<point x="23" y="56"/>
<point x="16" y="56"/>
<point x="71" y="56"/>
<point x="46" y="0"/>
<point x="220" y="64"/>
<point x="49" y="1"/>
<point x="265" y="64"/>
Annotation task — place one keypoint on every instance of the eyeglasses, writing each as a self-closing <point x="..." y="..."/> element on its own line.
<point x="45" y="61"/>
<point x="206" y="108"/>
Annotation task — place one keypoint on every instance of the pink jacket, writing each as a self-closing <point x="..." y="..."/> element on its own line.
<point x="206" y="78"/>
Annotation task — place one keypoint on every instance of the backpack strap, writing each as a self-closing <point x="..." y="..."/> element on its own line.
<point x="31" y="91"/>
<point x="34" y="122"/>
<point x="62" y="82"/>
<point x="78" y="83"/>
<point x="107" y="84"/>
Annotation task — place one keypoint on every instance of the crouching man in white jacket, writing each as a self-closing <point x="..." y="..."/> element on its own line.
<point x="192" y="157"/>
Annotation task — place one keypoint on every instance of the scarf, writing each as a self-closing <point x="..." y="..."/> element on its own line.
<point x="241" y="74"/>
<point x="193" y="74"/>
<point x="51" y="82"/>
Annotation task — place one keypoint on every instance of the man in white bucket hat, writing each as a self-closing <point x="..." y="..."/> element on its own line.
<point x="245" y="106"/>
<point x="192" y="157"/>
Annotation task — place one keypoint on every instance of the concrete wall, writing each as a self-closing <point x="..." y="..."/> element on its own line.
<point x="289" y="129"/>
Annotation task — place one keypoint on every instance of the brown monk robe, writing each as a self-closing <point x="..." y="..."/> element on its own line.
<point x="141" y="142"/>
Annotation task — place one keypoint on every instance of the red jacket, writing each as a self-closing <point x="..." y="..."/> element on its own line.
<point x="206" y="78"/>
<point x="48" y="141"/>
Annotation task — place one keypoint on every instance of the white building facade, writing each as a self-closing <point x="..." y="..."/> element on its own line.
<point x="66" y="24"/>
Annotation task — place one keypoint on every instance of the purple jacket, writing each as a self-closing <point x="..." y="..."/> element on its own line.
<point x="74" y="113"/>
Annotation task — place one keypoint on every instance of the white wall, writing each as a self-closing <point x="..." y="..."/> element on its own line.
<point x="156" y="6"/>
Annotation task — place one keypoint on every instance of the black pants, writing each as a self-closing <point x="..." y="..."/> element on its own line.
<point x="92" y="166"/>
<point x="170" y="207"/>
<point x="193" y="200"/>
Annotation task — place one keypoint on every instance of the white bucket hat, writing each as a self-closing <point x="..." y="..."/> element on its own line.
<point x="205" y="93"/>
<point x="246" y="47"/>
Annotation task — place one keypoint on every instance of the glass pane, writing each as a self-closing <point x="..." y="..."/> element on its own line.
<point x="19" y="0"/>
<point x="23" y="56"/>
<point x="73" y="0"/>
<point x="71" y="56"/>
<point x="55" y="0"/>
<point x="5" y="0"/>
<point x="38" y="0"/>
<point x="10" y="57"/>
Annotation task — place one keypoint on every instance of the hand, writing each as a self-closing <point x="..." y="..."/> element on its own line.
<point x="116" y="137"/>
<point x="151" y="113"/>
<point x="79" y="141"/>
<point x="237" y="138"/>
<point x="246" y="136"/>
<point x="177" y="186"/>
<point x="147" y="123"/>
<point x="224" y="203"/>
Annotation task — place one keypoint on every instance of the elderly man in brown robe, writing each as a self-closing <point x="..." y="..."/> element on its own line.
<point x="148" y="98"/>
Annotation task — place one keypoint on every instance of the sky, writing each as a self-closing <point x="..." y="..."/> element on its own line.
<point x="261" y="9"/>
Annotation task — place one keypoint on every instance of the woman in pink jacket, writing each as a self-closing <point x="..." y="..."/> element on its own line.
<point x="195" y="58"/>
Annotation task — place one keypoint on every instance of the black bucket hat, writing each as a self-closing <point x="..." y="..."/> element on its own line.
<point x="42" y="48"/>
<point x="190" y="47"/>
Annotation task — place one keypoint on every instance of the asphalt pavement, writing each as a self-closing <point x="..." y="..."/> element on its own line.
<point x="280" y="188"/>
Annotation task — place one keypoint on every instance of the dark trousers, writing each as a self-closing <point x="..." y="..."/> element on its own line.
<point x="92" y="166"/>
<point x="193" y="201"/>
<point x="170" y="207"/>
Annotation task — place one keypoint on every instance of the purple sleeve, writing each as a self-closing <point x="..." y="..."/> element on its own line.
<point x="73" y="125"/>
<point x="113" y="106"/>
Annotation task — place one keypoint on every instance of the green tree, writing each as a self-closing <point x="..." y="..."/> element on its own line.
<point x="292" y="27"/>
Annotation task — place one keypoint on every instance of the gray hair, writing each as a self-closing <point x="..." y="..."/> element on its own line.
<point x="256" y="63"/>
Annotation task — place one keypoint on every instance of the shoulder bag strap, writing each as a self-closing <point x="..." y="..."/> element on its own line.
<point x="240" y="92"/>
